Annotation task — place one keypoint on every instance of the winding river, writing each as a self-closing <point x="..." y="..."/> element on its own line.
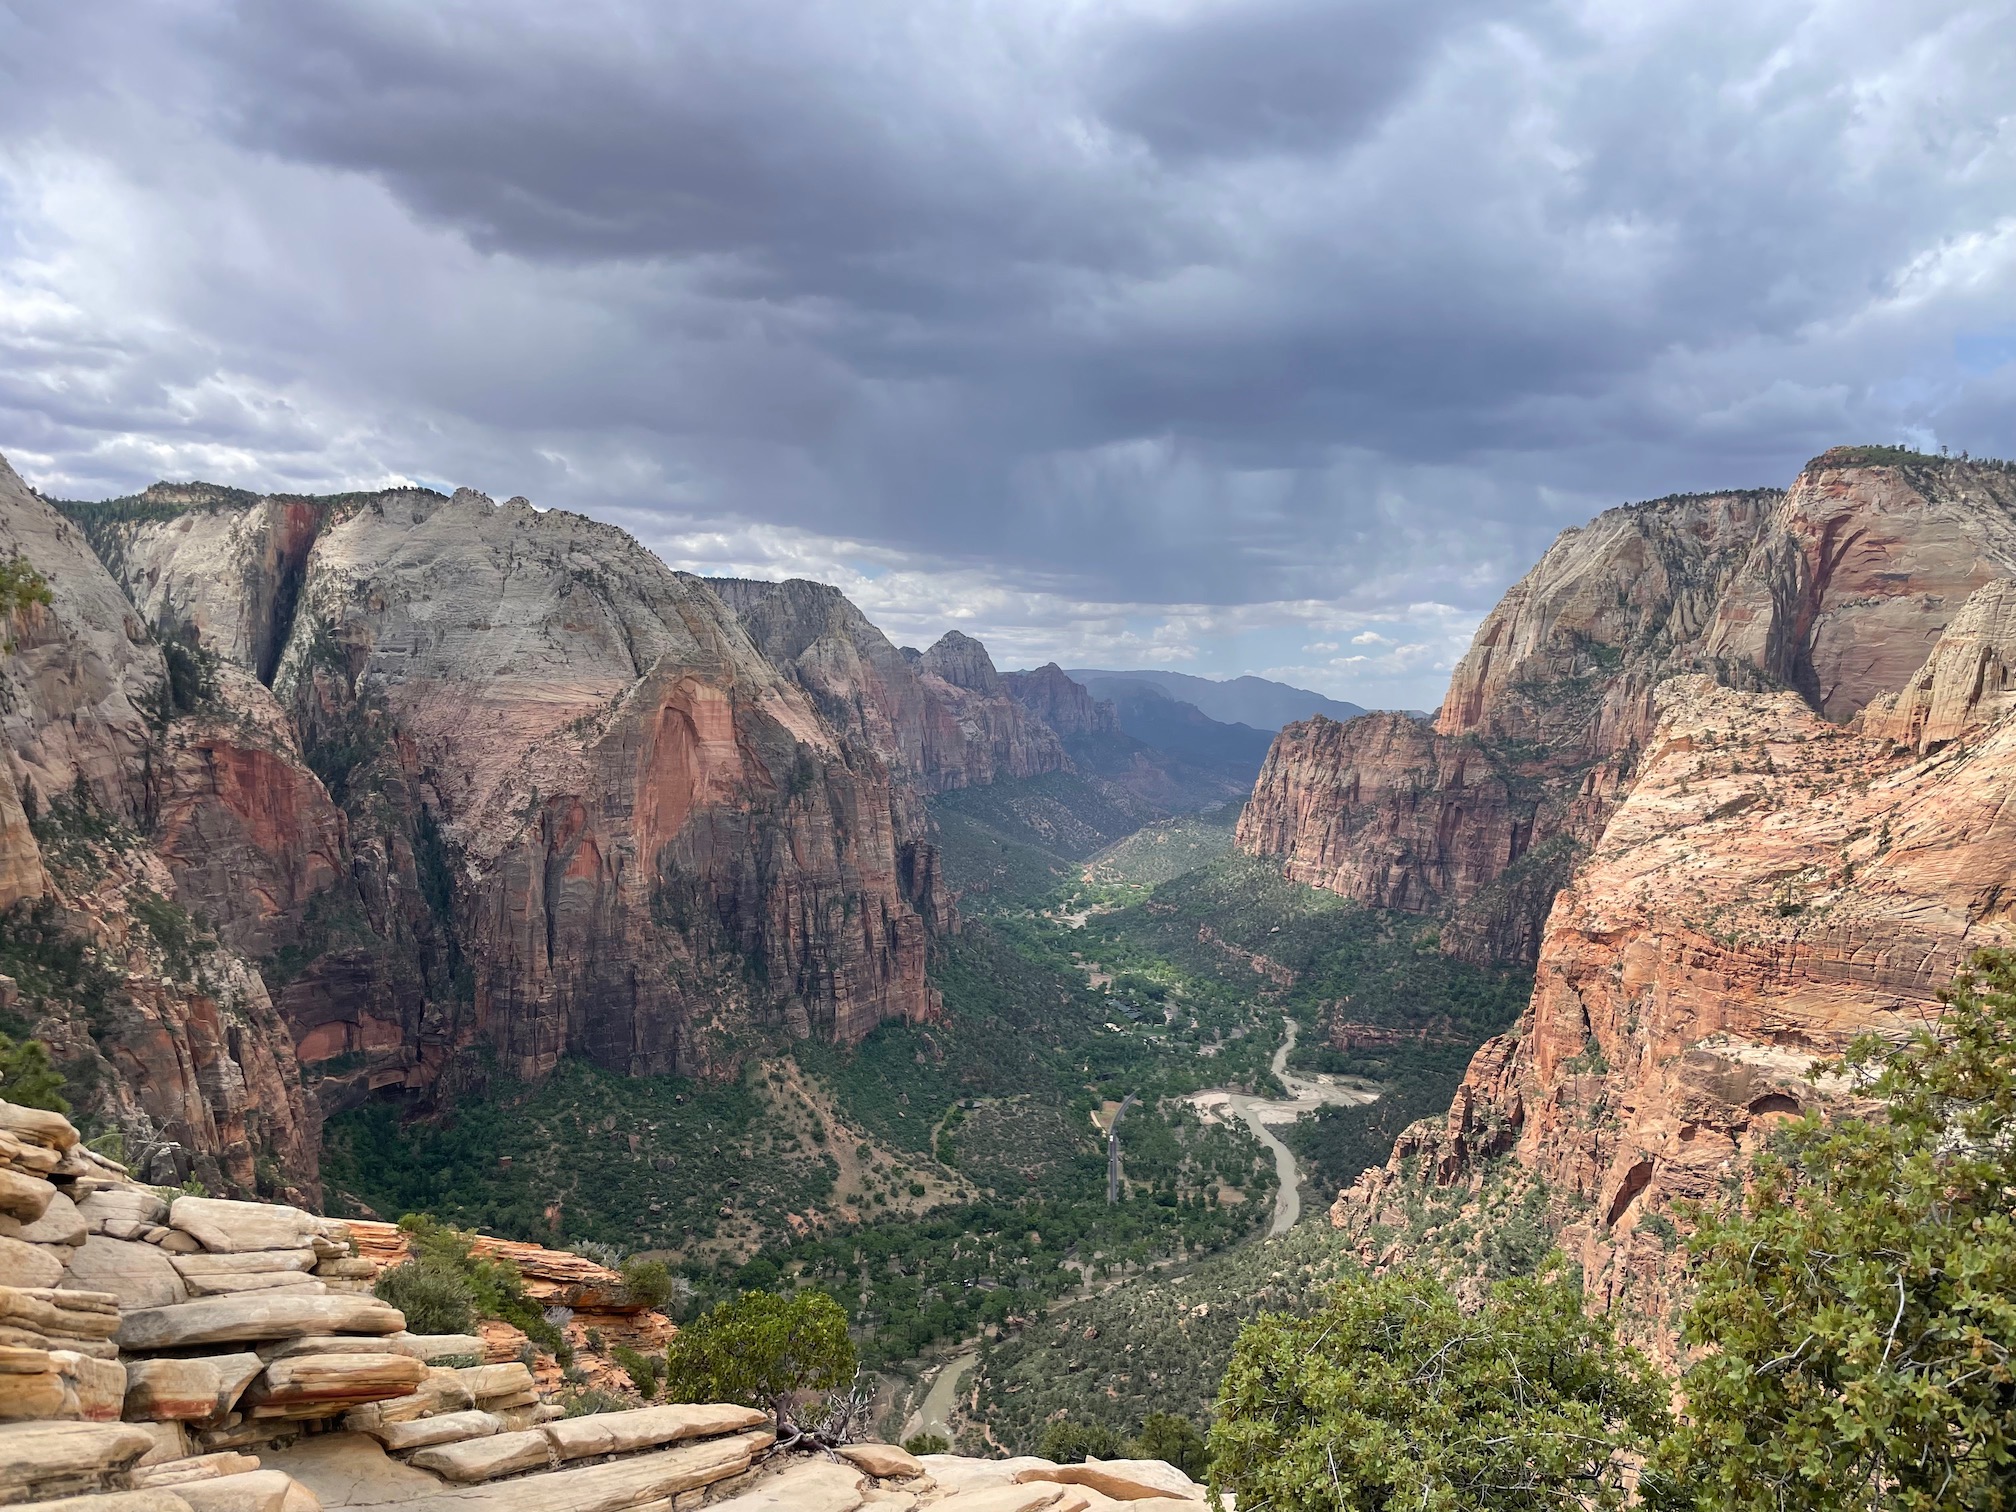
<point x="934" y="1413"/>
<point x="1304" y="1096"/>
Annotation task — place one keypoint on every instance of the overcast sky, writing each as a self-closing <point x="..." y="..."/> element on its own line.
<point x="1223" y="335"/>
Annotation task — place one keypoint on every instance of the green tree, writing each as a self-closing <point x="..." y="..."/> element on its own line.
<point x="28" y="1078"/>
<point x="762" y="1350"/>
<point x="1390" y="1396"/>
<point x="1174" y="1439"/>
<point x="1070" y="1443"/>
<point x="1858" y="1304"/>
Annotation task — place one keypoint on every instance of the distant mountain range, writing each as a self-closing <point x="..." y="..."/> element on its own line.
<point x="1254" y="701"/>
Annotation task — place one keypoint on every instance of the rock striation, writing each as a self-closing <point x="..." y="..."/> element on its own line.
<point x="944" y="731"/>
<point x="465" y="772"/>
<point x="174" y="1028"/>
<point x="1772" y="886"/>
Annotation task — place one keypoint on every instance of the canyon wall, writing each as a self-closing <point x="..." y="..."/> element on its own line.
<point x="1836" y="589"/>
<point x="1788" y="809"/>
<point x="1772" y="886"/>
<point x="586" y="815"/>
<point x="338" y="789"/>
<point x="943" y="717"/>
<point x="169" y="1027"/>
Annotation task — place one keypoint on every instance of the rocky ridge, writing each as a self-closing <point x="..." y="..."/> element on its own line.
<point x="194" y="1355"/>
<point x="1769" y="883"/>
<point x="1836" y="589"/>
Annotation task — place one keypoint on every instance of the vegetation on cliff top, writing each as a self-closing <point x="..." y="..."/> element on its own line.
<point x="1857" y="1306"/>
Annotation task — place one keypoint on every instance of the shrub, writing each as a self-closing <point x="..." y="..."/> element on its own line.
<point x="494" y="1287"/>
<point x="1070" y="1443"/>
<point x="648" y="1282"/>
<point x="644" y="1370"/>
<point x="1175" y="1439"/>
<point x="1859" y="1304"/>
<point x="28" y="1078"/>
<point x="435" y="1299"/>
<point x="1390" y="1396"/>
<point x="762" y="1350"/>
<point x="928" y="1443"/>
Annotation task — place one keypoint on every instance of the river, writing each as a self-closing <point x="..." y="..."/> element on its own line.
<point x="934" y="1413"/>
<point x="1304" y="1096"/>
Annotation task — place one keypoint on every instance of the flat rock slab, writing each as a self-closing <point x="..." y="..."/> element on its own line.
<point x="484" y="1381"/>
<point x="60" y="1223"/>
<point x="194" y="1468"/>
<point x="198" y="1390"/>
<point x="810" y="1486"/>
<point x="254" y="1316"/>
<point x="883" y="1461"/>
<point x="118" y="1501"/>
<point x="487" y="1458"/>
<point x="60" y="1314"/>
<point x="449" y="1428"/>
<point x="647" y="1428"/>
<point x="351" y="1379"/>
<point x="1027" y="1497"/>
<point x="25" y="1264"/>
<point x="352" y="1472"/>
<point x="24" y="1197"/>
<point x="955" y="1472"/>
<point x="53" y="1459"/>
<point x="232" y="1285"/>
<point x="1123" y="1480"/>
<point x="249" y="1263"/>
<point x="139" y="1275"/>
<point x="259" y="1491"/>
<point x="224" y="1227"/>
<point x="349" y="1470"/>
<point x="134" y="1204"/>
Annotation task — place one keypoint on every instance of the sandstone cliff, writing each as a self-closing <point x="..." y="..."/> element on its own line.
<point x="944" y="717"/>
<point x="168" y="1028"/>
<point x="1064" y="705"/>
<point x="585" y="814"/>
<point x="1836" y="589"/>
<point x="1772" y="886"/>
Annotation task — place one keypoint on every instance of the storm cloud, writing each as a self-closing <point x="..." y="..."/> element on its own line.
<point x="1237" y="335"/>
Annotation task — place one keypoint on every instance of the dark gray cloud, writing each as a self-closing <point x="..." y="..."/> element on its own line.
<point x="1216" y="324"/>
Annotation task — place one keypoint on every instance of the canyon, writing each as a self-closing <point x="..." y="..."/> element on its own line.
<point x="394" y="794"/>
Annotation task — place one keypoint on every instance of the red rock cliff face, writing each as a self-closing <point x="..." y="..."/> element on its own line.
<point x="168" y="1035"/>
<point x="1772" y="886"/>
<point x="577" y="810"/>
<point x="1066" y="706"/>
<point x="940" y="734"/>
<point x="1540" y="735"/>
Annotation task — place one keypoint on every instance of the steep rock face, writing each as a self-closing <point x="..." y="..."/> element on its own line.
<point x="1540" y="735"/>
<point x="169" y="1035"/>
<point x="1861" y="569"/>
<point x="1066" y="706"/>
<point x="941" y="732"/>
<point x="586" y="815"/>
<point x="1772" y="886"/>
<point x="999" y="737"/>
<point x="1966" y="685"/>
<point x="1482" y="814"/>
